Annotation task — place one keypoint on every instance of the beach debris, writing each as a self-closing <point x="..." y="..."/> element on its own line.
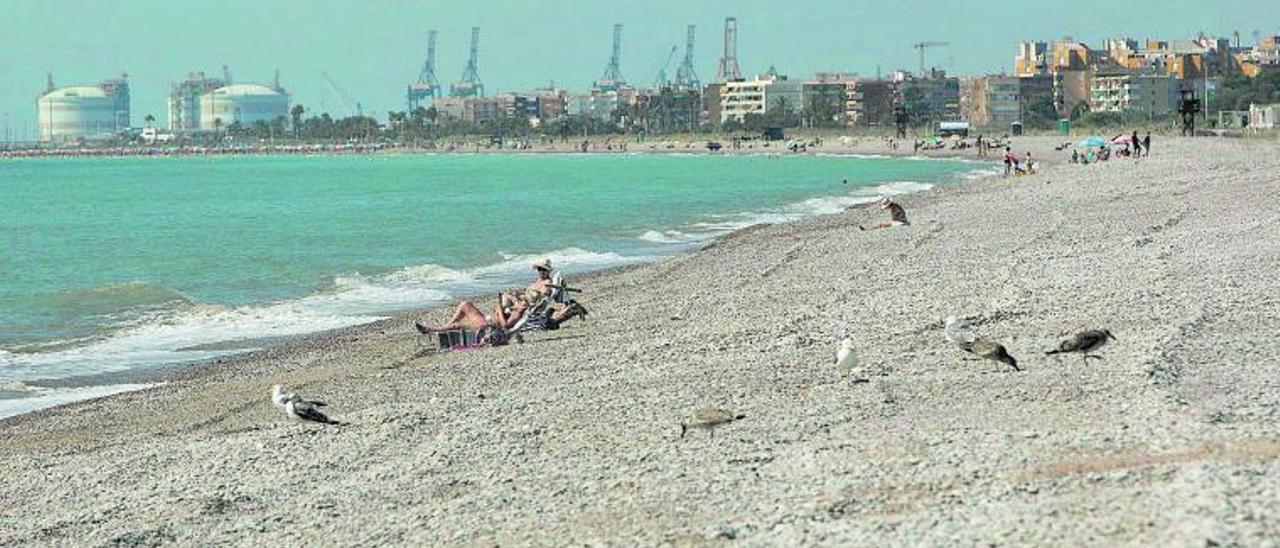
<point x="1084" y="343"/>
<point x="847" y="360"/>
<point x="298" y="408"/>
<point x="958" y="333"/>
<point x="708" y="418"/>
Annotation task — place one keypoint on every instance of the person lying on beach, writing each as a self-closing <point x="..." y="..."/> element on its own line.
<point x="493" y="327"/>
<point x="468" y="316"/>
<point x="897" y="215"/>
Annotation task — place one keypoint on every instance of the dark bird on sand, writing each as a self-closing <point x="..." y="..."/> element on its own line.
<point x="988" y="349"/>
<point x="957" y="332"/>
<point x="708" y="419"/>
<point x="1084" y="343"/>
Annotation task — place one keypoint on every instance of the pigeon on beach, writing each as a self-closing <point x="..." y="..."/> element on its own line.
<point x="1084" y="343"/>
<point x="708" y="418"/>
<point x="298" y="408"/>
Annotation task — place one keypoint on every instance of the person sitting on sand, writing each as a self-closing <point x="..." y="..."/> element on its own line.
<point x="545" y="282"/>
<point x="897" y="215"/>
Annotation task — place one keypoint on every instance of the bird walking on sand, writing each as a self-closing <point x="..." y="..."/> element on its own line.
<point x="708" y="418"/>
<point x="299" y="409"/>
<point x="847" y="360"/>
<point x="1084" y="343"/>
<point x="958" y="334"/>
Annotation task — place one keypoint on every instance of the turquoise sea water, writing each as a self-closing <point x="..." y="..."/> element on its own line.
<point x="115" y="263"/>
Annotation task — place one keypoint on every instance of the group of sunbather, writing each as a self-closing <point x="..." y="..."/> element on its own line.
<point x="512" y="307"/>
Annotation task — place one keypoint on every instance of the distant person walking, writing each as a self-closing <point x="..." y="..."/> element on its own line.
<point x="1137" y="144"/>
<point x="1008" y="161"/>
<point x="1146" y="143"/>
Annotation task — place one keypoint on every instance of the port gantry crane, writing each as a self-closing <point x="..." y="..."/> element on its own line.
<point x="427" y="86"/>
<point x="661" y="80"/>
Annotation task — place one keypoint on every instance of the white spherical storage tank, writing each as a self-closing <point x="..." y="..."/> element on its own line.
<point x="243" y="103"/>
<point x="76" y="112"/>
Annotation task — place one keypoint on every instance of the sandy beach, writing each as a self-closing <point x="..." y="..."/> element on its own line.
<point x="573" y="437"/>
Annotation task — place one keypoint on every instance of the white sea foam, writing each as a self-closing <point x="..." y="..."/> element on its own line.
<point x="169" y="337"/>
<point x="717" y="225"/>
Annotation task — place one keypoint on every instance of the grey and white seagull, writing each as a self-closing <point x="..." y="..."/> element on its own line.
<point x="299" y="409"/>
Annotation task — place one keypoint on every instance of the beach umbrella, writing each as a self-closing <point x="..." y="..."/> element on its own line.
<point x="1094" y="141"/>
<point x="1120" y="140"/>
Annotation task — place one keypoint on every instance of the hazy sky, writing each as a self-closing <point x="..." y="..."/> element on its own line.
<point x="373" y="48"/>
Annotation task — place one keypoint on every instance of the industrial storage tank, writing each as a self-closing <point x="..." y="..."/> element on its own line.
<point x="243" y="103"/>
<point x="83" y="112"/>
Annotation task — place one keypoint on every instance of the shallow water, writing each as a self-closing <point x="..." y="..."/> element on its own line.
<point x="115" y="263"/>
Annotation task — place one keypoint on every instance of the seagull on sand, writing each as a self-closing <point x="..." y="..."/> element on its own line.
<point x="846" y="358"/>
<point x="299" y="409"/>
<point x="1085" y="343"/>
<point x="958" y="334"/>
<point x="708" y="418"/>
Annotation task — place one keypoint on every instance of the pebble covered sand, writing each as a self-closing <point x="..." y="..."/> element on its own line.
<point x="1170" y="439"/>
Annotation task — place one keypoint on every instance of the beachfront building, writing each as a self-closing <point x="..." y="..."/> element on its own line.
<point x="761" y="96"/>
<point x="669" y="109"/>
<point x="869" y="103"/>
<point x="711" y="96"/>
<point x="1120" y="90"/>
<point x="823" y="103"/>
<point x="1199" y="64"/>
<point x="1000" y="100"/>
<point x="72" y="113"/>
<point x="243" y="104"/>
<point x="184" y="101"/>
<point x="933" y="98"/>
<point x="472" y="110"/>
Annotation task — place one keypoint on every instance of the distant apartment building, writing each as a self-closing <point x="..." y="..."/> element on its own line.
<point x="711" y="94"/>
<point x="760" y="96"/>
<point x="1200" y="64"/>
<point x="999" y="101"/>
<point x="933" y="98"/>
<point x="518" y="105"/>
<point x="823" y="103"/>
<point x="473" y="110"/>
<point x="1119" y="90"/>
<point x="670" y="108"/>
<point x="1267" y="51"/>
<point x="869" y="103"/>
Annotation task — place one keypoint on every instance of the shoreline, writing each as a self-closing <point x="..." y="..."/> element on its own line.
<point x="573" y="436"/>
<point x="142" y="376"/>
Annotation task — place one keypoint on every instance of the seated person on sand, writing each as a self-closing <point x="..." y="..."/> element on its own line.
<point x="545" y="282"/>
<point x="897" y="215"/>
<point x="511" y="307"/>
